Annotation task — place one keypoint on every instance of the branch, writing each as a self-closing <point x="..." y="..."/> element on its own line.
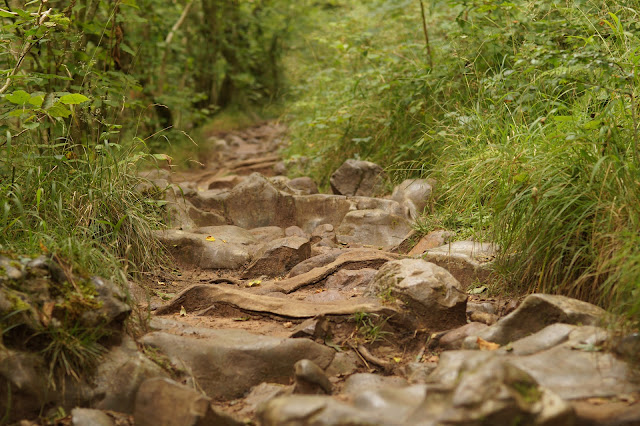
<point x="167" y="42"/>
<point x="426" y="34"/>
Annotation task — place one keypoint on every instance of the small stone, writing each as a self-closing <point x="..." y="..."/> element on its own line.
<point x="90" y="417"/>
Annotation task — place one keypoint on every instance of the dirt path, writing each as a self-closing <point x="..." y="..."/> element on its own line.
<point x="279" y="292"/>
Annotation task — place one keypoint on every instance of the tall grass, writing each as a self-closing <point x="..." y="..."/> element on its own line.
<point x="528" y="119"/>
<point x="78" y="203"/>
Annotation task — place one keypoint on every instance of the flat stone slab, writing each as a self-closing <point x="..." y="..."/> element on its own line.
<point x="207" y="299"/>
<point x="228" y="363"/>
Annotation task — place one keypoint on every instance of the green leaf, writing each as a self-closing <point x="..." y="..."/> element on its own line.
<point x="58" y="111"/>
<point x="19" y="97"/>
<point x="73" y="99"/>
<point x="7" y="14"/>
<point x="36" y="100"/>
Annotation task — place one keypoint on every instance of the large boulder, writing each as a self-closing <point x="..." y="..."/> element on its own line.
<point x="228" y="363"/>
<point x="373" y="227"/>
<point x="428" y="291"/>
<point x="256" y="202"/>
<point x="356" y="177"/>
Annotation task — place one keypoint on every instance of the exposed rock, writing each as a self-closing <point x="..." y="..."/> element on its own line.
<point x="165" y="402"/>
<point x="315" y="262"/>
<point x="418" y="372"/>
<point x="350" y="259"/>
<point x="361" y="382"/>
<point x="468" y="261"/>
<point x="343" y="364"/>
<point x="578" y="373"/>
<point x="118" y="377"/>
<point x="225" y="300"/>
<point x="224" y="182"/>
<point x="113" y="307"/>
<point x="538" y="311"/>
<point x="90" y="417"/>
<point x="349" y="280"/>
<point x="356" y="177"/>
<point x="430" y="241"/>
<point x="295" y="231"/>
<point x="453" y="339"/>
<point x="304" y="185"/>
<point x="373" y="227"/>
<point x="195" y="249"/>
<point x="256" y="202"/>
<point x="323" y="232"/>
<point x="319" y="209"/>
<point x="23" y="381"/>
<point x="431" y="293"/>
<point x="393" y="403"/>
<point x="227" y="363"/>
<point x="267" y="233"/>
<point x="326" y="296"/>
<point x="228" y="234"/>
<point x="310" y="379"/>
<point x="413" y="195"/>
<point x="370" y="203"/>
<point x="262" y="394"/>
<point x="278" y="256"/>
<point x="495" y="393"/>
<point x="299" y="410"/>
<point x="544" y="339"/>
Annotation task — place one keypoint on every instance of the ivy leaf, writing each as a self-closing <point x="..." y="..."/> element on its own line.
<point x="59" y="111"/>
<point x="73" y="99"/>
<point x="19" y="97"/>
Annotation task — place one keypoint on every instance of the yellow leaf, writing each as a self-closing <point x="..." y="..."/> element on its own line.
<point x="397" y="359"/>
<point x="483" y="345"/>
<point x="210" y="238"/>
<point x="183" y="311"/>
<point x="224" y="241"/>
<point x="253" y="283"/>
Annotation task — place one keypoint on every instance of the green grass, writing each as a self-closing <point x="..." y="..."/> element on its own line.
<point x="528" y="120"/>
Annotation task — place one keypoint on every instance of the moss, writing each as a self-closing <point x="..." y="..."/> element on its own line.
<point x="529" y="391"/>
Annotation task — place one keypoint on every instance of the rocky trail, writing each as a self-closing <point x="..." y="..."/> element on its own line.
<point x="286" y="306"/>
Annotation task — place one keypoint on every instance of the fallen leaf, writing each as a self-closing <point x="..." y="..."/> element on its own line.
<point x="477" y="290"/>
<point x="397" y="359"/>
<point x="253" y="283"/>
<point x="287" y="324"/>
<point x="183" y="311"/>
<point x="47" y="312"/>
<point x="483" y="345"/>
<point x="210" y="238"/>
<point x="224" y="241"/>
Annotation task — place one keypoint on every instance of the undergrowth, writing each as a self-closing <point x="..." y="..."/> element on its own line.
<point x="525" y="112"/>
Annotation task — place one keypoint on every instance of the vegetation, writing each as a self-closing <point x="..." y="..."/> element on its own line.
<point x="525" y="112"/>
